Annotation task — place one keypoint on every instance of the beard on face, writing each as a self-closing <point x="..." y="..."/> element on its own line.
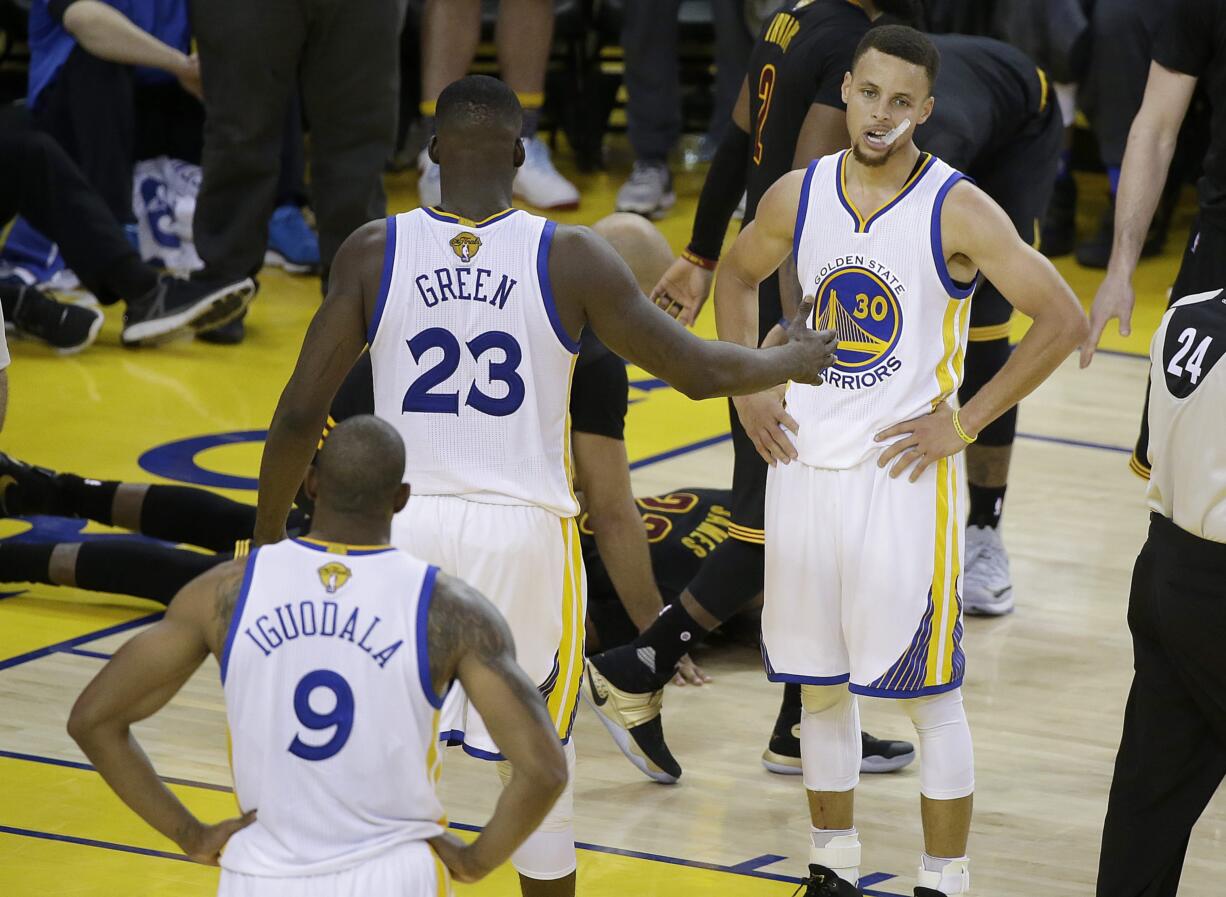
<point x="872" y="161"/>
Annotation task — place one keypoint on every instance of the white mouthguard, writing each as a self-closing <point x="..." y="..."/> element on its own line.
<point x="896" y="132"/>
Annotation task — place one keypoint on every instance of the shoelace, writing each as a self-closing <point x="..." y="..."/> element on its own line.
<point x="808" y="882"/>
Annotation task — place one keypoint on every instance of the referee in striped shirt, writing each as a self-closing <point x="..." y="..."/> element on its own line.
<point x="1172" y="753"/>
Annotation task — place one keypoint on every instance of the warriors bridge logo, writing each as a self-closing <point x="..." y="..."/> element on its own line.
<point x="864" y="312"/>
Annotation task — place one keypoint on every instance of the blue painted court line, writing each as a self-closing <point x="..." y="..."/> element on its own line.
<point x="748" y="867"/>
<point x="76" y="764"/>
<point x="756" y="863"/>
<point x="81" y="652"/>
<point x="1078" y="443"/>
<point x="680" y="450"/>
<point x="90" y="842"/>
<point x="80" y="640"/>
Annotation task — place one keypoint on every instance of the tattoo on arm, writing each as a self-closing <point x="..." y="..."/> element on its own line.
<point x="229" y="582"/>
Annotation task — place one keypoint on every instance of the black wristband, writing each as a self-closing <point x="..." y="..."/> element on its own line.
<point x="721" y="193"/>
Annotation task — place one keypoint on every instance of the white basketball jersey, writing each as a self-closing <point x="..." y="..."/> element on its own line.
<point x="882" y="285"/>
<point x="1187" y="416"/>
<point x="332" y="710"/>
<point x="471" y="362"/>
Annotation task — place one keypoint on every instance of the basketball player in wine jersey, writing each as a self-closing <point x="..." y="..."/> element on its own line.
<point x="864" y="530"/>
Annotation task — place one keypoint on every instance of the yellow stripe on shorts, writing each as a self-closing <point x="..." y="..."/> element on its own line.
<point x="565" y="695"/>
<point x="945" y="571"/>
<point x="442" y="878"/>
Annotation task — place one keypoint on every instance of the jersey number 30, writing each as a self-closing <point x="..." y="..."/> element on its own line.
<point x="339" y="718"/>
<point x="421" y="398"/>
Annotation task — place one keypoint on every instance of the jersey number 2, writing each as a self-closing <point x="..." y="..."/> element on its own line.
<point x="766" y="89"/>
<point x="340" y="717"/>
<point x="419" y="397"/>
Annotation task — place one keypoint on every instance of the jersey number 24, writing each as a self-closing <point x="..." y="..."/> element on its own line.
<point x="422" y="397"/>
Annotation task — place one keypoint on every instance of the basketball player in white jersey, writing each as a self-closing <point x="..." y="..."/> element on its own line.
<point x="336" y="652"/>
<point x="473" y="311"/>
<point x="865" y="528"/>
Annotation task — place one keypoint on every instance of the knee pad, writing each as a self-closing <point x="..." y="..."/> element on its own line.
<point x="549" y="852"/>
<point x="947" y="758"/>
<point x="830" y="744"/>
<point x="984" y="359"/>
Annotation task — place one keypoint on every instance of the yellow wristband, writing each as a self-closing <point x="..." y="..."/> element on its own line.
<point x="962" y="434"/>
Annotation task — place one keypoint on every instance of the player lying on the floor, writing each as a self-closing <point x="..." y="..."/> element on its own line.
<point x="682" y="528"/>
<point x="383" y="830"/>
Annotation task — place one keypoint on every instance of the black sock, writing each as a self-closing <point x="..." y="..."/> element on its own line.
<point x="195" y="517"/>
<point x="137" y="567"/>
<point x="789" y="708"/>
<point x="647" y="663"/>
<point x="92" y="499"/>
<point x="25" y="561"/>
<point x="987" y="503"/>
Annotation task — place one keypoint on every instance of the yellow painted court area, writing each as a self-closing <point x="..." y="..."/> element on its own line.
<point x="1044" y="748"/>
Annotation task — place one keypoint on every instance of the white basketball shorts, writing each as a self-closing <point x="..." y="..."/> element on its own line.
<point x="528" y="563"/>
<point x="406" y="870"/>
<point x="863" y="577"/>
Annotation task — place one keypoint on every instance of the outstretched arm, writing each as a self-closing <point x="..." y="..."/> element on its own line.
<point x="470" y="641"/>
<point x="137" y="682"/>
<point x="978" y="234"/>
<point x="594" y="285"/>
<point x="332" y="344"/>
<point x="1147" y="157"/>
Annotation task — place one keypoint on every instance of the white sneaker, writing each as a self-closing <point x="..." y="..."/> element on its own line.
<point x="648" y="191"/>
<point x="987" y="589"/>
<point x="538" y="183"/>
<point x="429" y="185"/>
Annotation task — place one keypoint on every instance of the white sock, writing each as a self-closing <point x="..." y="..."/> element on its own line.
<point x="949" y="875"/>
<point x="838" y="850"/>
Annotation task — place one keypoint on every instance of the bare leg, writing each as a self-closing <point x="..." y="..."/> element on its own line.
<point x="558" y="887"/>
<point x="127" y="504"/>
<point x="947" y="825"/>
<point x="450" y="30"/>
<point x="832" y="810"/>
<point x="988" y="465"/>
<point x="524" y="36"/>
<point x="62" y="570"/>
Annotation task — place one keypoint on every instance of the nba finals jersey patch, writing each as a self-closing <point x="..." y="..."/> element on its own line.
<point x="465" y="246"/>
<point x="858" y="300"/>
<point x="334" y="575"/>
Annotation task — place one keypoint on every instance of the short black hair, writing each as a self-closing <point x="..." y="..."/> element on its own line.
<point x="361" y="465"/>
<point x="902" y="43"/>
<point x="478" y="100"/>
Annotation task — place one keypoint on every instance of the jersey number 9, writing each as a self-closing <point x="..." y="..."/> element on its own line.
<point x="420" y="397"/>
<point x="340" y="717"/>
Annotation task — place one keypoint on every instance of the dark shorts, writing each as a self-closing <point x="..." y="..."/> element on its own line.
<point x="1019" y="177"/>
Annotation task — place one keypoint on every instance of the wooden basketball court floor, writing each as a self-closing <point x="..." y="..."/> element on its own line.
<point x="1045" y="686"/>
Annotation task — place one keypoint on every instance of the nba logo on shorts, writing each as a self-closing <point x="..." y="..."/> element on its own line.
<point x="864" y="312"/>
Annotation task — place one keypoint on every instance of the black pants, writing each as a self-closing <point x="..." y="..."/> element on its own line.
<point x="1121" y="35"/>
<point x="105" y="120"/>
<point x="41" y="183"/>
<point x="344" y="56"/>
<point x="1172" y="754"/>
<point x="653" y="78"/>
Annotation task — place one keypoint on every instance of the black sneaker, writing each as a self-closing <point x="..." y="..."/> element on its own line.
<point x="822" y="882"/>
<point x="229" y="334"/>
<point x="1059" y="233"/>
<point x="177" y="307"/>
<point x="25" y="489"/>
<point x="66" y="328"/>
<point x="928" y="892"/>
<point x="634" y="722"/>
<point x="878" y="755"/>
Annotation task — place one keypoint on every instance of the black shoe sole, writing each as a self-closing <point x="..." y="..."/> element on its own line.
<point x="209" y="311"/>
